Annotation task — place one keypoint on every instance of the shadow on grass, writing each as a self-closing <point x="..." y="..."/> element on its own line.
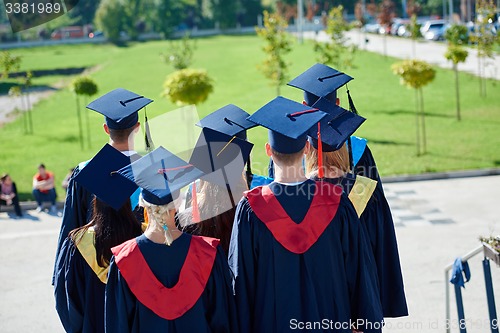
<point x="496" y="162"/>
<point x="388" y="142"/>
<point x="412" y="113"/>
<point x="54" y="138"/>
<point x="5" y="87"/>
<point x="46" y="72"/>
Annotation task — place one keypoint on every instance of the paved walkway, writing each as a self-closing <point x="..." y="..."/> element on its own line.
<point x="447" y="217"/>
<point x="432" y="52"/>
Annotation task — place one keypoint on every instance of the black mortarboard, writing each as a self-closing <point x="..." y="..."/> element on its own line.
<point x="230" y="120"/>
<point x="120" y="107"/>
<point x="288" y="122"/>
<point x="221" y="157"/>
<point x="336" y="128"/>
<point x="320" y="81"/>
<point x="161" y="175"/>
<point x="99" y="177"/>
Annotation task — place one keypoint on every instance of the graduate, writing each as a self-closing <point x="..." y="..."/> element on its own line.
<point x="323" y="81"/>
<point x="222" y="159"/>
<point x="368" y="200"/>
<point x="82" y="265"/>
<point x="166" y="280"/>
<point x="298" y="252"/>
<point x="120" y="108"/>
<point x="232" y="120"/>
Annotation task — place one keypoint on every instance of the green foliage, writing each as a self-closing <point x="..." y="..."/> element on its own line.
<point x="336" y="52"/>
<point x="169" y="13"/>
<point x="278" y="44"/>
<point x="180" y="53"/>
<point x="414" y="73"/>
<point x="456" y="34"/>
<point x="456" y="54"/>
<point x="109" y="18"/>
<point x="8" y="63"/>
<point x="188" y="86"/>
<point x="84" y="85"/>
<point x="414" y="27"/>
<point x="224" y="12"/>
<point x="484" y="36"/>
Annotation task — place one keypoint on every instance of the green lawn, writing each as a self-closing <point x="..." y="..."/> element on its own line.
<point x="231" y="61"/>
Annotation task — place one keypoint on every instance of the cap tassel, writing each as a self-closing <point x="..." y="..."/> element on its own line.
<point x="352" y="108"/>
<point x="147" y="136"/>
<point x="146" y="217"/>
<point x="321" y="171"/>
<point x="194" y="204"/>
<point x="249" y="173"/>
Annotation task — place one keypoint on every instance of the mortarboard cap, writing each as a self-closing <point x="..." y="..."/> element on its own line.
<point x="99" y="177"/>
<point x="288" y="122"/>
<point x="120" y="107"/>
<point x="336" y="128"/>
<point x="221" y="157"/>
<point x="161" y="175"/>
<point x="320" y="81"/>
<point x="230" y="120"/>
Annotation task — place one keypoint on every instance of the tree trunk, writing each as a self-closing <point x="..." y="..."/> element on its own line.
<point x="457" y="91"/>
<point x="30" y="119"/>
<point x="417" y="123"/>
<point x="25" y="116"/>
<point x="80" y="130"/>
<point x="88" y="126"/>
<point x="385" y="45"/>
<point x="424" y="135"/>
<point x="413" y="48"/>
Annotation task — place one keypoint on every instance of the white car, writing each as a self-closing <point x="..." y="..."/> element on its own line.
<point x="434" y="29"/>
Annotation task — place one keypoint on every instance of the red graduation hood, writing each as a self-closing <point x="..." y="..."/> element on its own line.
<point x="167" y="303"/>
<point x="296" y="238"/>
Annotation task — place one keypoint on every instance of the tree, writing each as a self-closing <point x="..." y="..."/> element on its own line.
<point x="336" y="52"/>
<point x="109" y="18"/>
<point x="169" y="14"/>
<point x="224" y="13"/>
<point x="83" y="86"/>
<point x="27" y="84"/>
<point x="484" y="37"/>
<point x="9" y="63"/>
<point x="416" y="74"/>
<point x="188" y="86"/>
<point x="278" y="44"/>
<point x="180" y="53"/>
<point x="414" y="28"/>
<point x="385" y="16"/>
<point x="456" y="35"/>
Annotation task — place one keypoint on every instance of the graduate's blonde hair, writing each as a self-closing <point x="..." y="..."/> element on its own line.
<point x="338" y="159"/>
<point x="157" y="213"/>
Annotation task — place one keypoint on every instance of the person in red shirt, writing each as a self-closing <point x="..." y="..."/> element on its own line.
<point x="43" y="188"/>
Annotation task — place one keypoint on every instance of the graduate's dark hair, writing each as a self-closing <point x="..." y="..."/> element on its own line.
<point x="215" y="224"/>
<point x="111" y="228"/>
<point x="121" y="135"/>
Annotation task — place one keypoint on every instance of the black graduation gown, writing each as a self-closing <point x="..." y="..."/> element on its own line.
<point x="376" y="218"/>
<point x="317" y="275"/>
<point x="78" y="291"/>
<point x="168" y="292"/>
<point x="78" y="209"/>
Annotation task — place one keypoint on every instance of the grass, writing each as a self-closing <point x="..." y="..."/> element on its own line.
<point x="231" y="61"/>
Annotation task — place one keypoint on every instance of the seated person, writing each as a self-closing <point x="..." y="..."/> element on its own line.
<point x="43" y="188"/>
<point x="8" y="194"/>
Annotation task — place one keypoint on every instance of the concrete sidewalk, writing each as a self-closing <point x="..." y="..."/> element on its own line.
<point x="436" y="220"/>
<point x="432" y="52"/>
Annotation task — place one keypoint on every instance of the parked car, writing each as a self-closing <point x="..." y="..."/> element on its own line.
<point x="434" y="29"/>
<point x="68" y="32"/>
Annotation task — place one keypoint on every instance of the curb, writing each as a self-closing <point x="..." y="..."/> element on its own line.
<point x="441" y="175"/>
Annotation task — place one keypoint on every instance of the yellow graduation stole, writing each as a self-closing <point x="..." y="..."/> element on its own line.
<point x="84" y="240"/>
<point x="361" y="193"/>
